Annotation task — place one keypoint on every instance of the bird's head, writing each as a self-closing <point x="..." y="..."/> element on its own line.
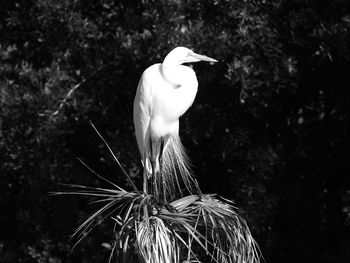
<point x="180" y="55"/>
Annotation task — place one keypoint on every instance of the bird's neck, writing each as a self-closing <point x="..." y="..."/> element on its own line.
<point x="172" y="72"/>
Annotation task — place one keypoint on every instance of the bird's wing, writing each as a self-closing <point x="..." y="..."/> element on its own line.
<point x="142" y="111"/>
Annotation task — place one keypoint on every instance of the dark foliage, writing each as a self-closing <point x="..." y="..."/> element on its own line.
<point x="269" y="128"/>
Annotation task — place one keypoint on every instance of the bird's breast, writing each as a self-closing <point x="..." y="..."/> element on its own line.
<point x="172" y="101"/>
<point x="169" y="102"/>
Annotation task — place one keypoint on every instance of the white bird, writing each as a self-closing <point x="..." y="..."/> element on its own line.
<point x="165" y="92"/>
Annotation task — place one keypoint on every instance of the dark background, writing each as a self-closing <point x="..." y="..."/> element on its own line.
<point x="269" y="127"/>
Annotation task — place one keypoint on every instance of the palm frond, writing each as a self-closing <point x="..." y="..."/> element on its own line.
<point x="115" y="158"/>
<point x="193" y="228"/>
<point x="114" y="203"/>
<point x="156" y="242"/>
<point x="171" y="232"/>
<point x="227" y="235"/>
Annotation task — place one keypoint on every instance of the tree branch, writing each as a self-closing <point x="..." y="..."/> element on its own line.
<point x="67" y="97"/>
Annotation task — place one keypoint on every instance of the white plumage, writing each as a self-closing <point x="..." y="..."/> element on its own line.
<point x="165" y="92"/>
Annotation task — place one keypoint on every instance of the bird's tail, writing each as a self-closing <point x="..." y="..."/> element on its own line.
<point x="175" y="171"/>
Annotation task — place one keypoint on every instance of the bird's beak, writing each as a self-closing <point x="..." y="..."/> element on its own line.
<point x="194" y="57"/>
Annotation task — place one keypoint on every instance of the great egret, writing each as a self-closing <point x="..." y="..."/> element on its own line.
<point x="165" y="92"/>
